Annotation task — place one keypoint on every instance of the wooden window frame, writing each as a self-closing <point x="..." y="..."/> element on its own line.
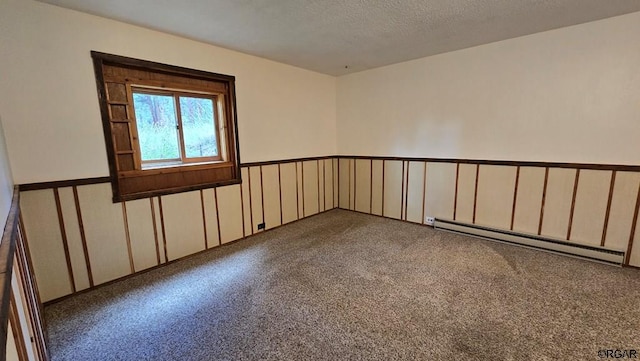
<point x="129" y="178"/>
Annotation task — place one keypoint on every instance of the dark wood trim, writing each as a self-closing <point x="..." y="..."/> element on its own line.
<point x="370" y="185"/>
<point x="515" y="197"/>
<point x="424" y="192"/>
<point x="475" y="194"/>
<point x="215" y="194"/>
<point x="30" y="292"/>
<point x="150" y="269"/>
<point x="541" y="164"/>
<point x="262" y="197"/>
<point x="65" y="242"/>
<point x="573" y="203"/>
<point x="632" y="233"/>
<point x="334" y="180"/>
<point x="349" y="182"/>
<point x="63" y="183"/>
<point x="280" y="192"/>
<point x="168" y="191"/>
<point x="544" y="197"/>
<point x="383" y="168"/>
<point x="155" y="230"/>
<point x="455" y="194"/>
<point x="250" y="199"/>
<point x="128" y="237"/>
<point x="204" y="218"/>
<point x="406" y="191"/>
<point x="164" y="233"/>
<point x="38" y="309"/>
<point x="318" y="176"/>
<point x="244" y="232"/>
<point x="283" y="161"/>
<point x="304" y="212"/>
<point x="355" y="175"/>
<point x="151" y="65"/>
<point x="99" y="180"/>
<point x="298" y="193"/>
<point x="83" y="237"/>
<point x="7" y="252"/>
<point x="608" y="212"/>
<point x="324" y="185"/>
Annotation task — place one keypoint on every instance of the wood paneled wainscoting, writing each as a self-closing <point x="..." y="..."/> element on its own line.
<point x="80" y="239"/>
<point x="590" y="204"/>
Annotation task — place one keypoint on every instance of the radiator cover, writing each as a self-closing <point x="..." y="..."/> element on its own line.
<point x="563" y="247"/>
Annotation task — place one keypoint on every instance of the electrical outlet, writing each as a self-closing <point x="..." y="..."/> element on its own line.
<point x="429" y="220"/>
<point x="261" y="226"/>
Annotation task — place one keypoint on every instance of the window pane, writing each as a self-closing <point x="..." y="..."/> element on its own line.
<point x="157" y="131"/>
<point x="198" y="127"/>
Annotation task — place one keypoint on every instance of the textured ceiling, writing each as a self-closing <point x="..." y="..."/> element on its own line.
<point x="343" y="36"/>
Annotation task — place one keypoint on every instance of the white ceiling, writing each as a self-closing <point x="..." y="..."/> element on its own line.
<point x="338" y="37"/>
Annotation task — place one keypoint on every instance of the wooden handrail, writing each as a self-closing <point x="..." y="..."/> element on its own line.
<point x="7" y="252"/>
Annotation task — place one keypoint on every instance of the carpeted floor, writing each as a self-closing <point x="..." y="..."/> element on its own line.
<point x="348" y="286"/>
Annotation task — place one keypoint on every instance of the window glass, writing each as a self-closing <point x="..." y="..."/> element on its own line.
<point x="157" y="127"/>
<point x="198" y="127"/>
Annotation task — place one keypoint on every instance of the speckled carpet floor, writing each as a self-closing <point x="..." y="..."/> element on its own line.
<point x="348" y="286"/>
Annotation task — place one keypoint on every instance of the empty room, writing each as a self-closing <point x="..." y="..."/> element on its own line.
<point x="319" y="180"/>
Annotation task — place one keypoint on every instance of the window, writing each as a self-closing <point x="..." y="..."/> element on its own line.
<point x="167" y="129"/>
<point x="175" y="128"/>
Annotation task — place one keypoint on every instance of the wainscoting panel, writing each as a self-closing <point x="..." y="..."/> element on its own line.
<point x="321" y="186"/>
<point x="45" y="243"/>
<point x="393" y="189"/>
<point x="289" y="192"/>
<point x="590" y="207"/>
<point x="311" y="188"/>
<point x="143" y="234"/>
<point x="590" y="204"/>
<point x="74" y="238"/>
<point x="558" y="200"/>
<point x="623" y="202"/>
<point x="363" y="185"/>
<point x="526" y="217"/>
<point x="106" y="239"/>
<point x="376" y="187"/>
<point x="80" y="239"/>
<point x="494" y="199"/>
<point x="344" y="183"/>
<point x="466" y="192"/>
<point x="157" y="219"/>
<point x="255" y="182"/>
<point x="230" y="213"/>
<point x="414" y="192"/>
<point x="246" y="202"/>
<point x="271" y="187"/>
<point x="210" y="207"/>
<point x="327" y="171"/>
<point x="440" y="191"/>
<point x="183" y="224"/>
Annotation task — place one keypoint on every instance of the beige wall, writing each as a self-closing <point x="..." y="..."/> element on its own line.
<point x="50" y="107"/>
<point x="570" y="94"/>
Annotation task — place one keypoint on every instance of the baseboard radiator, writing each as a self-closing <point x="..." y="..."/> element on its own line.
<point x="593" y="253"/>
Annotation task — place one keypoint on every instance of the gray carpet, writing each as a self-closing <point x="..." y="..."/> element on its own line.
<point x="348" y="286"/>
